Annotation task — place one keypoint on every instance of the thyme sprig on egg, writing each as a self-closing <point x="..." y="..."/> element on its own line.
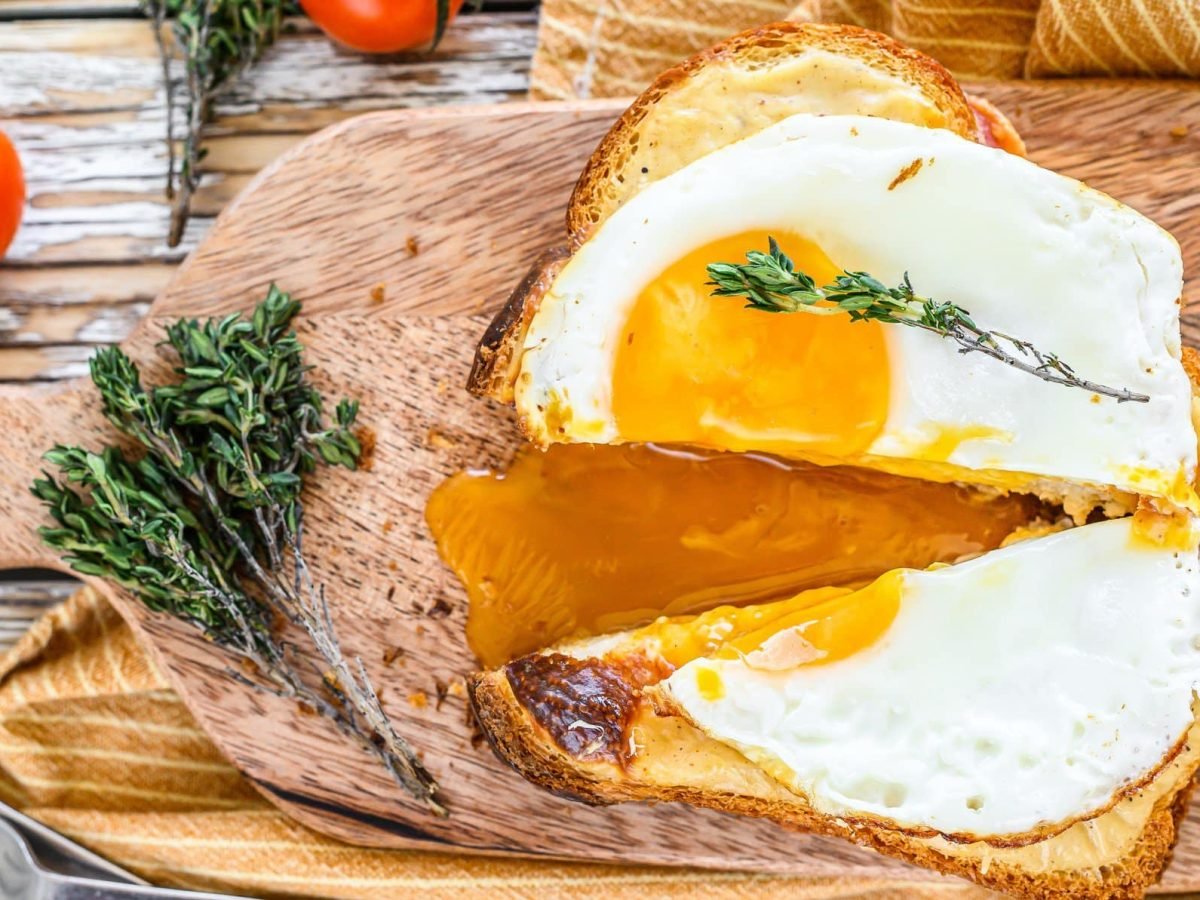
<point x="770" y="282"/>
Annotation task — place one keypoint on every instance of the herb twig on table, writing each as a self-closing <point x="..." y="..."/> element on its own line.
<point x="219" y="40"/>
<point x="770" y="282"/>
<point x="205" y="521"/>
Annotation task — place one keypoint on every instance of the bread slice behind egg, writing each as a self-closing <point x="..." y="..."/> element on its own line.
<point x="854" y="152"/>
<point x="757" y="78"/>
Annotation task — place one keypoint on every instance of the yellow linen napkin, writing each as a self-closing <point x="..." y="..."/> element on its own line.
<point x="613" y="48"/>
<point x="94" y="743"/>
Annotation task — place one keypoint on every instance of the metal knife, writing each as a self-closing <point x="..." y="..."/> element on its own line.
<point x="23" y="878"/>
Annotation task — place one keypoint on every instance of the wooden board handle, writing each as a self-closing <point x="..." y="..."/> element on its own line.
<point x="33" y="418"/>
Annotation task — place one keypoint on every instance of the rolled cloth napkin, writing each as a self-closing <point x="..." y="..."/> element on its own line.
<point x="94" y="743"/>
<point x="614" y="48"/>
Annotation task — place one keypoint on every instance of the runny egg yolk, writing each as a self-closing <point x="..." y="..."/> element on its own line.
<point x="694" y="368"/>
<point x="581" y="539"/>
<point x="813" y="627"/>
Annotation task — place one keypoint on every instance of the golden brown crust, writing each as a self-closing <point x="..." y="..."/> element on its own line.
<point x="1190" y="357"/>
<point x="498" y="356"/>
<point x="520" y="743"/>
<point x="608" y="180"/>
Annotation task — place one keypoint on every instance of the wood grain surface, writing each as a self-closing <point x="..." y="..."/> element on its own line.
<point x="480" y="191"/>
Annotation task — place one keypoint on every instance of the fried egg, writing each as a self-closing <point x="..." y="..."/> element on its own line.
<point x="628" y="345"/>
<point x="1023" y="689"/>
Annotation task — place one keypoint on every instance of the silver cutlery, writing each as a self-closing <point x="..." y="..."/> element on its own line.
<point x="22" y="876"/>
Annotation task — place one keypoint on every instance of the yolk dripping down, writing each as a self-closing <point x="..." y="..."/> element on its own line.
<point x="693" y="368"/>
<point x="585" y="539"/>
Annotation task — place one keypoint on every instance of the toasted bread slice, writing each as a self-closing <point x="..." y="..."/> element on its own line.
<point x="611" y="719"/>
<point x="722" y="95"/>
<point x="1119" y="853"/>
<point x="755" y="79"/>
<point x="708" y="138"/>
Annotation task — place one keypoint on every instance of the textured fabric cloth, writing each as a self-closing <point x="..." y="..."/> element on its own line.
<point x="613" y="48"/>
<point x="94" y="743"/>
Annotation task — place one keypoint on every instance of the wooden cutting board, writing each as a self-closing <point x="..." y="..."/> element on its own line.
<point x="401" y="232"/>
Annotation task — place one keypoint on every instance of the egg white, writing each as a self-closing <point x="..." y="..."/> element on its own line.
<point x="1025" y="250"/>
<point x="1020" y="689"/>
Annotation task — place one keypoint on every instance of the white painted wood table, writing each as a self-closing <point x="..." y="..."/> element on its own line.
<point x="81" y="96"/>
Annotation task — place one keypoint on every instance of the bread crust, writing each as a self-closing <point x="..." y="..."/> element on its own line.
<point x="498" y="356"/>
<point x="520" y="743"/>
<point x="607" y="182"/>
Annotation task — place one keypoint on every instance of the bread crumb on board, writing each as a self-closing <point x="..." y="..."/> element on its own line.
<point x="439" y="441"/>
<point x="366" y="439"/>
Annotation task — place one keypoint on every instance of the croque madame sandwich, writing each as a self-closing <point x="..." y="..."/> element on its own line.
<point x="923" y="301"/>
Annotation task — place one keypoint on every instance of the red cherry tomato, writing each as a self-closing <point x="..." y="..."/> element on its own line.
<point x="378" y="26"/>
<point x="12" y="192"/>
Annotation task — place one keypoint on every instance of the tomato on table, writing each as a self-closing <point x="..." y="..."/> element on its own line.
<point x="378" y="26"/>
<point x="12" y="192"/>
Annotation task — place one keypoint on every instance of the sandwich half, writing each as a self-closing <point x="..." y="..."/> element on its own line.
<point x="1013" y="719"/>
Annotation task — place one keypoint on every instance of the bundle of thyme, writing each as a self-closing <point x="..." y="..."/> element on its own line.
<point x="205" y="522"/>
<point x="771" y="283"/>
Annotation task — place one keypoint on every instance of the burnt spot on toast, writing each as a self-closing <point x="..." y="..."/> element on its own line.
<point x="585" y="705"/>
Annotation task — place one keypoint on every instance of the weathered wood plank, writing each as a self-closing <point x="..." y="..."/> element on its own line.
<point x="82" y="323"/>
<point x="94" y="153"/>
<point x="53" y="362"/>
<point x="46" y="9"/>
<point x="58" y="286"/>
<point x="113" y="65"/>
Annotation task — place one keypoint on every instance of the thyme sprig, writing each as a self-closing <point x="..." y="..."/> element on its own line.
<point x="205" y="522"/>
<point x="219" y="40"/>
<point x="771" y="283"/>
